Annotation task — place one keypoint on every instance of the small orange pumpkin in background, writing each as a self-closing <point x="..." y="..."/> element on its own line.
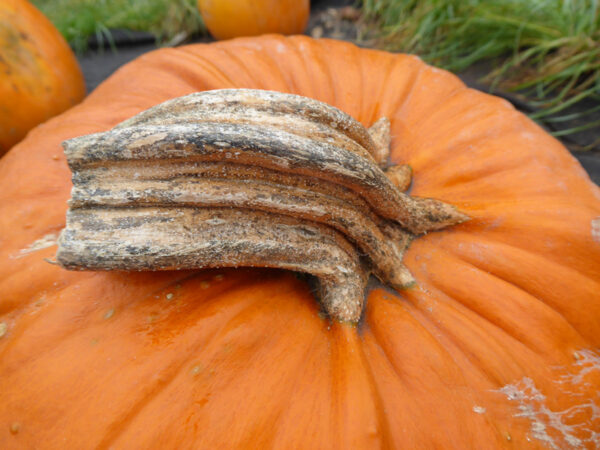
<point x="226" y="19"/>
<point x="40" y="76"/>
<point x="496" y="346"/>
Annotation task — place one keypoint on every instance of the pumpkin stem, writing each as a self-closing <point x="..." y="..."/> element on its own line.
<point x="247" y="178"/>
<point x="400" y="176"/>
<point x="380" y="132"/>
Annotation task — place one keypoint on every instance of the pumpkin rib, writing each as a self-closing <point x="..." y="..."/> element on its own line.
<point x="461" y="257"/>
<point x="372" y="352"/>
<point x="480" y="332"/>
<point x="442" y="352"/>
<point x="431" y="163"/>
<point x="554" y="305"/>
<point x="395" y="101"/>
<point x="285" y="79"/>
<point x="403" y="419"/>
<point x="410" y="99"/>
<point x="288" y="77"/>
<point x="215" y="72"/>
<point x="530" y="295"/>
<point x="344" y="86"/>
<point x="508" y="233"/>
<point x="385" y="426"/>
<point x="186" y="73"/>
<point x="121" y="423"/>
<point x="334" y="97"/>
<point x="8" y="306"/>
<point x="348" y="383"/>
<point x="310" y="347"/>
<point x="63" y="291"/>
<point x="235" y="62"/>
<point x="215" y="336"/>
<point x="493" y="388"/>
<point x="511" y="248"/>
<point x="538" y="159"/>
<point x="476" y="190"/>
<point x="421" y="321"/>
<point x="464" y="313"/>
<point x="461" y="182"/>
<point x="315" y="355"/>
<point x="33" y="322"/>
<point x="467" y="311"/>
<point x="277" y="80"/>
<point x="187" y="64"/>
<point x="186" y="76"/>
<point x="377" y="111"/>
<point x="430" y="87"/>
<point x="459" y="101"/>
<point x="468" y="182"/>
<point x="232" y="327"/>
<point x="361" y="83"/>
<point x="494" y="235"/>
<point x="311" y="77"/>
<point x="451" y="104"/>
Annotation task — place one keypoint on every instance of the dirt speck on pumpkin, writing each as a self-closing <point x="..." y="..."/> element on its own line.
<point x="479" y="409"/>
<point x="204" y="285"/>
<point x="152" y="318"/>
<point x="3" y="328"/>
<point x="169" y="296"/>
<point x="109" y="314"/>
<point x="15" y="427"/>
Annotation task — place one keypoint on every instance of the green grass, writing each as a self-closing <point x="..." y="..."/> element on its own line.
<point x="77" y="20"/>
<point x="549" y="49"/>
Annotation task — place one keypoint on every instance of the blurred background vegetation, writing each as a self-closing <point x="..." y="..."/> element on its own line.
<point x="548" y="51"/>
<point x="78" y="20"/>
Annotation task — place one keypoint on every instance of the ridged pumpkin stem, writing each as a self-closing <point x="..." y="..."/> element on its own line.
<point x="246" y="178"/>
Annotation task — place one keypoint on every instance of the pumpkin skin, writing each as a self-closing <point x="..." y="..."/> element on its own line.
<point x="506" y="309"/>
<point x="226" y="19"/>
<point x="40" y="75"/>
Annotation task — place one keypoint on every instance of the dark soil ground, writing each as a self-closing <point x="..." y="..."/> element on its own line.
<point x="336" y="19"/>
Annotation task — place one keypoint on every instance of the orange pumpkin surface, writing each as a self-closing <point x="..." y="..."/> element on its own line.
<point x="40" y="77"/>
<point x="226" y="19"/>
<point x="496" y="346"/>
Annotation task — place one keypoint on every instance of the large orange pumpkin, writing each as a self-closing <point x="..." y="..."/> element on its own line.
<point x="40" y="76"/>
<point x="496" y="346"/>
<point x="226" y="19"/>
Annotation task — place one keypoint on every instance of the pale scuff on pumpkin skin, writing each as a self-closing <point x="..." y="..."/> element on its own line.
<point x="233" y="178"/>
